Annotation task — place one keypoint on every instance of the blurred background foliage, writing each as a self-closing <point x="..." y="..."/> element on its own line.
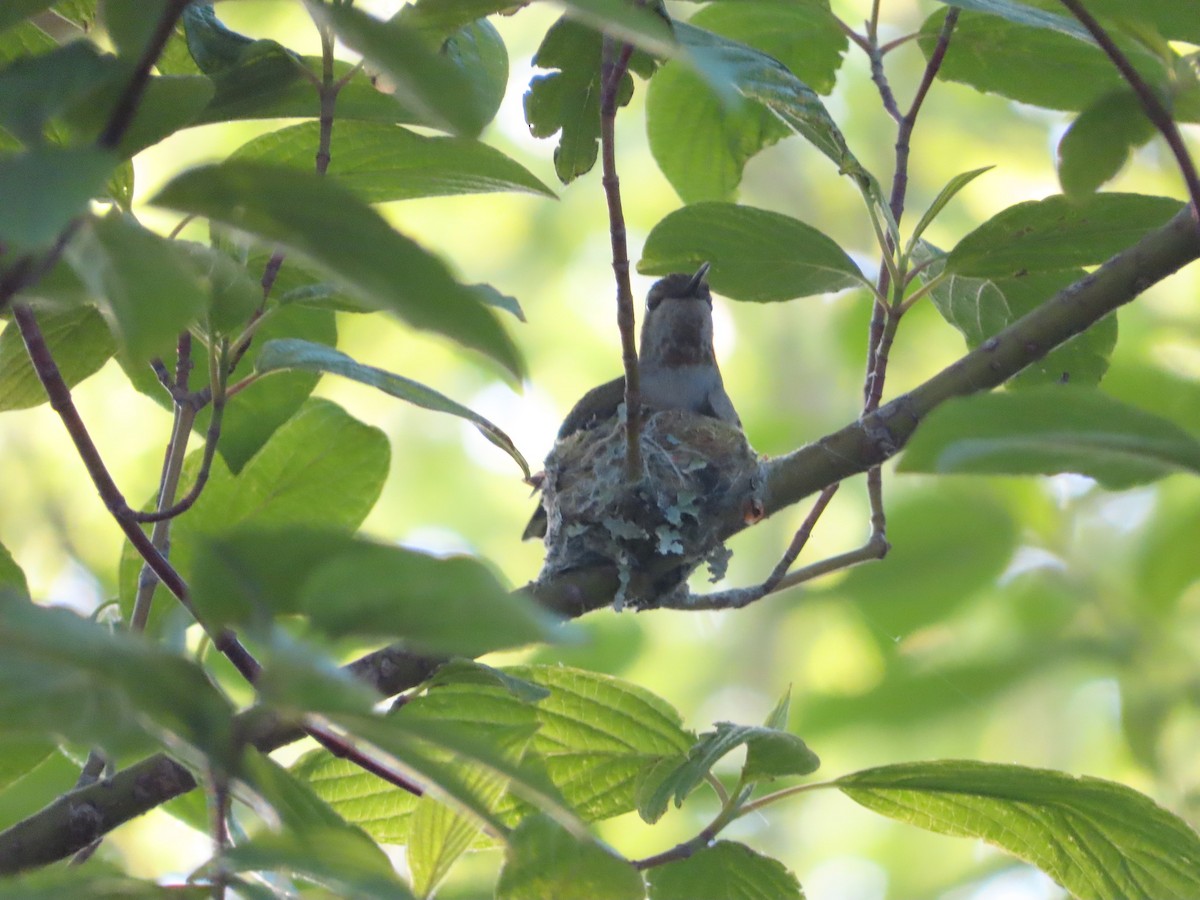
<point x="1036" y="621"/>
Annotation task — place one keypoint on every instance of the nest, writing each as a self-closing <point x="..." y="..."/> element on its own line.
<point x="699" y="474"/>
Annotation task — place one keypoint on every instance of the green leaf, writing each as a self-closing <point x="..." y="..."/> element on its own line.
<point x="599" y="737"/>
<point x="479" y="52"/>
<point x="1022" y="14"/>
<point x="446" y="754"/>
<point x="347" y="587"/>
<point x="356" y="868"/>
<point x="775" y="752"/>
<point x="298" y="807"/>
<point x="945" y="195"/>
<point x="142" y="282"/>
<point x="1098" y="839"/>
<point x="12" y="579"/>
<point x="79" y="341"/>
<point x="232" y="295"/>
<point x="726" y="870"/>
<point x="1048" y="430"/>
<point x="469" y="671"/>
<point x="296" y="354"/>
<point x="440" y="834"/>
<point x="730" y="66"/>
<point x="439" y="19"/>
<point x="981" y="308"/>
<point x="168" y="103"/>
<point x="779" y="753"/>
<point x="440" y="605"/>
<point x="544" y="860"/>
<point x="1176" y="20"/>
<point x="44" y="189"/>
<point x="1100" y="141"/>
<point x="702" y="144"/>
<point x="756" y="255"/>
<point x="436" y="90"/>
<point x="15" y="11"/>
<point x="1057" y="233"/>
<point x="640" y="26"/>
<point x="491" y="712"/>
<point x="321" y="469"/>
<point x="382" y="162"/>
<point x="568" y="100"/>
<point x="131" y="23"/>
<point x="35" y="88"/>
<point x="97" y="881"/>
<point x="262" y="407"/>
<point x="357" y="248"/>
<point x="1033" y="64"/>
<point x="65" y="675"/>
<point x="33" y="772"/>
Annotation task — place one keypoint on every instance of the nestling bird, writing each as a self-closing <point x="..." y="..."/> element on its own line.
<point x="676" y="362"/>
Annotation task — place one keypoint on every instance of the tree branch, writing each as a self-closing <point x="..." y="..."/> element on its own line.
<point x="878" y="436"/>
<point x="1151" y="104"/>
<point x="75" y="819"/>
<point x="613" y="68"/>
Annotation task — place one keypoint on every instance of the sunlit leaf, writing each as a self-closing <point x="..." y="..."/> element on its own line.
<point x="702" y="144"/>
<point x="727" y="870"/>
<point x="732" y="67"/>
<point x="1044" y="431"/>
<point x="357" y="868"/>
<point x="600" y="736"/>
<point x="544" y="860"/>
<point x="779" y="753"/>
<point x="1098" y="839"/>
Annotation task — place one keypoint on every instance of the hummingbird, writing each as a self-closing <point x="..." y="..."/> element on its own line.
<point x="676" y="362"/>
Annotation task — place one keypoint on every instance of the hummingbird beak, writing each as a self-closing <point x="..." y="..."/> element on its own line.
<point x="698" y="280"/>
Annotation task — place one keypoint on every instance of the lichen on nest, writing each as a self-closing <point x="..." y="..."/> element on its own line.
<point x="698" y="474"/>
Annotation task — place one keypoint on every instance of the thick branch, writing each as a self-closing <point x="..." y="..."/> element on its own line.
<point x="76" y="819"/>
<point x="877" y="437"/>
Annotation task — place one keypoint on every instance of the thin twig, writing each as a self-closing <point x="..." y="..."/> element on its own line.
<point x="218" y="782"/>
<point x="613" y="68"/>
<point x="127" y="103"/>
<point x="1151" y="104"/>
<point x="60" y="401"/>
<point x="185" y="416"/>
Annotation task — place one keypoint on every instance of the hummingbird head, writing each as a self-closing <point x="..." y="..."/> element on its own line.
<point x="677" y="329"/>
